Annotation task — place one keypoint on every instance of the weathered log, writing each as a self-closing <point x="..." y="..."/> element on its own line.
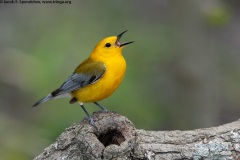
<point x="117" y="138"/>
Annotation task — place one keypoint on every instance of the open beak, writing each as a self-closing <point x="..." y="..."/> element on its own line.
<point x="118" y="43"/>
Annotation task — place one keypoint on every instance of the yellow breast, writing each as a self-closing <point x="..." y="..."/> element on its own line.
<point x="107" y="84"/>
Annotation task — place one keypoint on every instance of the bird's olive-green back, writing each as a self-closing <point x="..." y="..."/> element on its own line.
<point x="90" y="67"/>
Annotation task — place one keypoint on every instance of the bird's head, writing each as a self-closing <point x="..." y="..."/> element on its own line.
<point x="110" y="46"/>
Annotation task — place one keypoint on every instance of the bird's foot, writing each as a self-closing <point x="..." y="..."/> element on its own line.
<point x="100" y="106"/>
<point x="91" y="121"/>
<point x="104" y="110"/>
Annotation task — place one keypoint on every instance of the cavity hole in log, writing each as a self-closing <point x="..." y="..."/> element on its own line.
<point x="111" y="137"/>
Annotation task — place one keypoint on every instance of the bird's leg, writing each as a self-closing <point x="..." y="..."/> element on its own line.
<point x="102" y="108"/>
<point x="91" y="121"/>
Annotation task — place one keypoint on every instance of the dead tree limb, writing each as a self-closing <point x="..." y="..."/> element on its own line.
<point x="117" y="138"/>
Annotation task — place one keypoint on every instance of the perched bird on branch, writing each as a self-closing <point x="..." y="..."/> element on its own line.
<point x="95" y="78"/>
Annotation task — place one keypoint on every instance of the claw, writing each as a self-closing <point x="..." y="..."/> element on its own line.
<point x="91" y="121"/>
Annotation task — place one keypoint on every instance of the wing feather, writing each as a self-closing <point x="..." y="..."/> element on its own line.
<point x="86" y="73"/>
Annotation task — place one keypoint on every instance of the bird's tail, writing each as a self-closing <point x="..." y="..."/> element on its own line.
<point x="48" y="97"/>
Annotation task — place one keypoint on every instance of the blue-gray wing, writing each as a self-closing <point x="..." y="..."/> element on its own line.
<point x="85" y="74"/>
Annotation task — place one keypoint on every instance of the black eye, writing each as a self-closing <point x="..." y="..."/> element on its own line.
<point x="107" y="44"/>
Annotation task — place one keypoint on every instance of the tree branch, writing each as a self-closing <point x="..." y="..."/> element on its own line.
<point x="117" y="138"/>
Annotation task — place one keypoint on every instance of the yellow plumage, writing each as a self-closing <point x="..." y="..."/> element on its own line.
<point x="108" y="83"/>
<point x="95" y="78"/>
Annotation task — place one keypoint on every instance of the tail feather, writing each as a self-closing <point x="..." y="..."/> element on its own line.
<point x="48" y="97"/>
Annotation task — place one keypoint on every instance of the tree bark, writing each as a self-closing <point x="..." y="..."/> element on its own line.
<point x="117" y="138"/>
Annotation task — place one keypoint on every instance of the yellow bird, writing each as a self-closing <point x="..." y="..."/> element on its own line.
<point x="95" y="78"/>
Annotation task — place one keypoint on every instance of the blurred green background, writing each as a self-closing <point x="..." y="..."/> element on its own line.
<point x="183" y="71"/>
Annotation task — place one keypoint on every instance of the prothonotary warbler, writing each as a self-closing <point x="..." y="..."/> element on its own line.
<point x="95" y="78"/>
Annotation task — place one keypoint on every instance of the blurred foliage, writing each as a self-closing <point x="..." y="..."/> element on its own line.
<point x="182" y="71"/>
<point x="218" y="16"/>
